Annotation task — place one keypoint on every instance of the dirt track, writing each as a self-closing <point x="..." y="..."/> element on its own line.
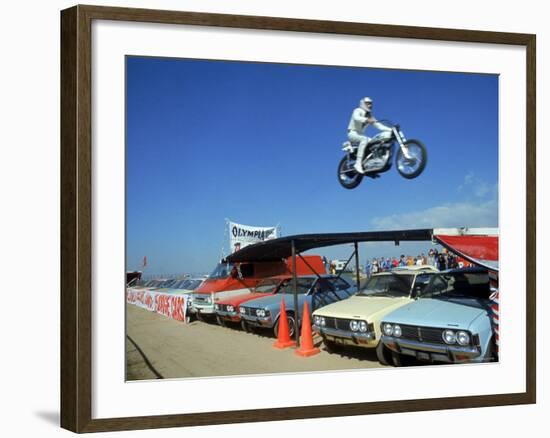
<point x="166" y="348"/>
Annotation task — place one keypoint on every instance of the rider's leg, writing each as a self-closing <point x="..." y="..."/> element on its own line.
<point x="362" y="140"/>
<point x="360" y="155"/>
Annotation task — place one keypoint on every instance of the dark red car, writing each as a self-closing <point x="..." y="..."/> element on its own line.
<point x="228" y="310"/>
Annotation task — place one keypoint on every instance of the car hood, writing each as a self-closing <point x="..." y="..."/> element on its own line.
<point x="220" y="285"/>
<point x="174" y="291"/>
<point x="274" y="301"/>
<point x="430" y="312"/>
<point x="361" y="307"/>
<point x="244" y="298"/>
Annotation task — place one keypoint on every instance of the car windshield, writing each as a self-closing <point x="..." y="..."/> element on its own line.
<point x="334" y="286"/>
<point x="193" y="284"/>
<point x="459" y="285"/>
<point x="388" y="285"/>
<point x="267" y="286"/>
<point x="180" y="284"/>
<point x="338" y="285"/>
<point x="303" y="285"/>
<point x="168" y="283"/>
<point x="221" y="271"/>
<point x="153" y="283"/>
<point x="330" y="290"/>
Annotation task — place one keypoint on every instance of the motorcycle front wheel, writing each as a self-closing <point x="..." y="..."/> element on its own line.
<point x="347" y="175"/>
<point x="413" y="167"/>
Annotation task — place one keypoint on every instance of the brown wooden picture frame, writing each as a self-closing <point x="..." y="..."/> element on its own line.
<point x="76" y="218"/>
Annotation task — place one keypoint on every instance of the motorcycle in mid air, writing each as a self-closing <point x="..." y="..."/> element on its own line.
<point x="411" y="157"/>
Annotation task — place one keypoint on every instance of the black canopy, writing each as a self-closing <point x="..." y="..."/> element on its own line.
<point x="281" y="248"/>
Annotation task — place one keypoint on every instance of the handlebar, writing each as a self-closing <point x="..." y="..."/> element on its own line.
<point x="389" y="124"/>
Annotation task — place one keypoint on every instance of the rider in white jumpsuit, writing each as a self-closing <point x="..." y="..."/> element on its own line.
<point x="360" y="119"/>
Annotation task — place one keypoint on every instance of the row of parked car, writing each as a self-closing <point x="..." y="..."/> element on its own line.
<point x="416" y="313"/>
<point x="409" y="313"/>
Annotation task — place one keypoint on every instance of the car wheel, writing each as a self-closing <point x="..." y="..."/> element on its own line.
<point x="331" y="346"/>
<point x="221" y="321"/>
<point x="291" y="326"/>
<point x="400" y="360"/>
<point x="245" y="327"/>
<point x="384" y="354"/>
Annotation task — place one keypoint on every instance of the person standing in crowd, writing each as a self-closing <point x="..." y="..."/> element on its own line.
<point x="368" y="268"/>
<point x="431" y="257"/>
<point x="451" y="261"/>
<point x="394" y="262"/>
<point x="326" y="264"/>
<point x="402" y="261"/>
<point x="375" y="269"/>
<point x="441" y="262"/>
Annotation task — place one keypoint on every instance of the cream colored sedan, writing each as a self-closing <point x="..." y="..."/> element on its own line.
<point x="356" y="321"/>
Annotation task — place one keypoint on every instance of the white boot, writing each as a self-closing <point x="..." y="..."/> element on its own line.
<point x="358" y="166"/>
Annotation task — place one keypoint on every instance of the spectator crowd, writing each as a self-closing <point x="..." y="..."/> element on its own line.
<point x="440" y="260"/>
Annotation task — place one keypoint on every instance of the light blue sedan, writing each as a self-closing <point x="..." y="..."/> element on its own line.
<point x="450" y="322"/>
<point x="317" y="291"/>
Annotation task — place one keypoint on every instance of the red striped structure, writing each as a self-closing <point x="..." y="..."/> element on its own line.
<point x="479" y="246"/>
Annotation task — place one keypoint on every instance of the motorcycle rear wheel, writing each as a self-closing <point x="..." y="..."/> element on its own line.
<point x="411" y="169"/>
<point x="348" y="178"/>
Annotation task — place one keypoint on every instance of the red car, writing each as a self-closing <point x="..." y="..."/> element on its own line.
<point x="232" y="280"/>
<point x="228" y="310"/>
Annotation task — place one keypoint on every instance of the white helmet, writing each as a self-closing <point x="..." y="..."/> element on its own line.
<point x="366" y="104"/>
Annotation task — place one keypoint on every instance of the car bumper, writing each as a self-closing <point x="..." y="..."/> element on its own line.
<point x="228" y="316"/>
<point x="258" y="321"/>
<point x="345" y="337"/>
<point x="432" y="352"/>
<point x="204" y="309"/>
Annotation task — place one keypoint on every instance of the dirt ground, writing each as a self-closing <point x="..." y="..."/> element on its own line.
<point x="136" y="366"/>
<point x="159" y="347"/>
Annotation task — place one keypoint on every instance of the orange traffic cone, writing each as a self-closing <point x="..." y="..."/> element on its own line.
<point x="283" y="335"/>
<point x="306" y="339"/>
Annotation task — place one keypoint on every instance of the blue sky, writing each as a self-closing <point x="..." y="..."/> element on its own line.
<point x="259" y="144"/>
